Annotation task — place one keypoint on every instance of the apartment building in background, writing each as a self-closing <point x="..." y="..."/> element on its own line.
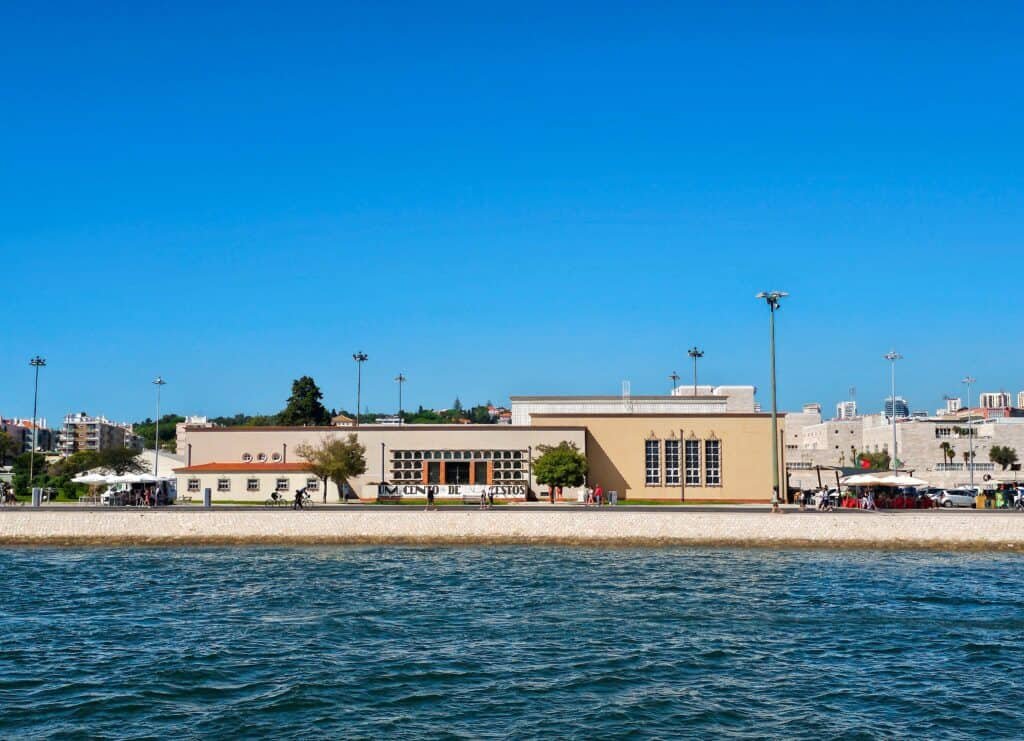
<point x="82" y="432"/>
<point x="994" y="400"/>
<point x="20" y="430"/>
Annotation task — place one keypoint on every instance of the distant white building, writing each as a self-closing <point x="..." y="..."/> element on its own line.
<point x="846" y="410"/>
<point x="1020" y="399"/>
<point x="898" y="408"/>
<point x="994" y="400"/>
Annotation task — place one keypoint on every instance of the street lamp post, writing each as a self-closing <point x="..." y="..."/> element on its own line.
<point x="37" y="363"/>
<point x="695" y="353"/>
<point x="400" y="379"/>
<point x="159" y="382"/>
<point x="674" y="378"/>
<point x="892" y="356"/>
<point x="360" y="358"/>
<point x="969" y="380"/>
<point x="772" y="298"/>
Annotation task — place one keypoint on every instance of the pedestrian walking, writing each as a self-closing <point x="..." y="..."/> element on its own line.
<point x="297" y="504"/>
<point x="598" y="495"/>
<point x="613" y="498"/>
<point x="430" y="498"/>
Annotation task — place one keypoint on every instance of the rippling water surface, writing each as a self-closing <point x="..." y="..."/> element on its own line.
<point x="509" y="642"/>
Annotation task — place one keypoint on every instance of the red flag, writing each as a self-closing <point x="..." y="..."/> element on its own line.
<point x="865" y="463"/>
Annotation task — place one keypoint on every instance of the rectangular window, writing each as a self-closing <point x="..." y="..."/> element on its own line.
<point x="281" y="485"/>
<point x="671" y="463"/>
<point x="193" y="484"/>
<point x="252" y="484"/>
<point x="652" y="462"/>
<point x="692" y="453"/>
<point x="313" y="484"/>
<point x="223" y="484"/>
<point x="713" y="462"/>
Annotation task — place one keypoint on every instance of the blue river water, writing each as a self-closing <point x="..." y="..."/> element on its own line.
<point x="509" y="643"/>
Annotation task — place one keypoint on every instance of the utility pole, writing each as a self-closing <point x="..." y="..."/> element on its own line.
<point x="772" y="298"/>
<point x="674" y="378"/>
<point x="401" y="379"/>
<point x="892" y="356"/>
<point x="37" y="363"/>
<point x="360" y="358"/>
<point x="159" y="382"/>
<point x="695" y="353"/>
<point x="970" y="380"/>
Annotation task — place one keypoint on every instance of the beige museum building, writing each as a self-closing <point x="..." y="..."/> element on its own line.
<point x="712" y="445"/>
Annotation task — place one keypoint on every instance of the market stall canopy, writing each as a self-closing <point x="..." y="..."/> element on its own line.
<point x="889" y="478"/>
<point x="90" y="478"/>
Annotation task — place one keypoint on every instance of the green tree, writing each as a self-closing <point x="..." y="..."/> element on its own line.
<point x="480" y="415"/>
<point x="8" y="446"/>
<point x="457" y="405"/>
<point x="560" y="465"/>
<point x="146" y="429"/>
<point x="304" y="405"/>
<point x="967" y="456"/>
<point x="337" y="459"/>
<point x="1003" y="456"/>
<point x="121" y="461"/>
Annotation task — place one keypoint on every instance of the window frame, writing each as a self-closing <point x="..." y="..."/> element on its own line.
<point x="713" y="474"/>
<point x="673" y="475"/>
<point x="692" y="474"/>
<point x="652" y="462"/>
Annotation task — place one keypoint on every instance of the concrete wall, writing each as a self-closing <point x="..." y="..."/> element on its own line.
<point x="616" y="453"/>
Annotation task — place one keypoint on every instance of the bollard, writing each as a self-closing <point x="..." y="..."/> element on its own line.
<point x="207" y="497"/>
<point x="37" y="496"/>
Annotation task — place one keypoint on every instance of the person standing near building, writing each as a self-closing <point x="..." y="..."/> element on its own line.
<point x="598" y="495"/>
<point x="613" y="498"/>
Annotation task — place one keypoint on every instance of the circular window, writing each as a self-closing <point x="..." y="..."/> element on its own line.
<point x="247" y="457"/>
<point x="275" y="457"/>
<point x="261" y="457"/>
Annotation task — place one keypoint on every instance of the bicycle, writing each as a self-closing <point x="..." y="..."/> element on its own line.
<point x="275" y="500"/>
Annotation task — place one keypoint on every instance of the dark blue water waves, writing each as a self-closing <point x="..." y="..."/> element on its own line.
<point x="509" y="642"/>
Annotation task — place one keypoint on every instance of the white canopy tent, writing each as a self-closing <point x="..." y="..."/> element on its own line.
<point x="888" y="478"/>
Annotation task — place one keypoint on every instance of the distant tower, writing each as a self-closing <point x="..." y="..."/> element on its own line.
<point x="627" y="402"/>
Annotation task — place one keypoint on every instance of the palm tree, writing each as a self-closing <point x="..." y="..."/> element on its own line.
<point x="948" y="453"/>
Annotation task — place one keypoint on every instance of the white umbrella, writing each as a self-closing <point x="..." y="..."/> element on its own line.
<point x="89" y="478"/>
<point x="888" y="478"/>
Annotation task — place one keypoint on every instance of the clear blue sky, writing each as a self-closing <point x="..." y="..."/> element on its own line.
<point x="541" y="198"/>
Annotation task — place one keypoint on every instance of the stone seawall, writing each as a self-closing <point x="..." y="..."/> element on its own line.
<point x="926" y="530"/>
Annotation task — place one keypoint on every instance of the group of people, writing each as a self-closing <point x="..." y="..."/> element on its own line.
<point x="596" y="497"/>
<point x="7" y="493"/>
<point x="865" y="498"/>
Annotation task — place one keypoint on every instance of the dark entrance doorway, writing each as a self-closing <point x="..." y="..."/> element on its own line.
<point x="456" y="472"/>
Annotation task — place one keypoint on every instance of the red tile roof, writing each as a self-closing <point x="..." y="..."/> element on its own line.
<point x="245" y="468"/>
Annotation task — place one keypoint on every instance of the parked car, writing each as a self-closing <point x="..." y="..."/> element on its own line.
<point x="956" y="498"/>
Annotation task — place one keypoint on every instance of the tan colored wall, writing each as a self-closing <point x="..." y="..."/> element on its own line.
<point x="615" y="452"/>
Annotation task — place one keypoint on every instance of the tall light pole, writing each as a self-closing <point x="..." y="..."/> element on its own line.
<point x="695" y="353"/>
<point x="969" y="380"/>
<point x="360" y="358"/>
<point x="159" y="382"/>
<point x="400" y="379"/>
<point x="892" y="356"/>
<point x="772" y="298"/>
<point x="37" y="363"/>
<point x="674" y="378"/>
